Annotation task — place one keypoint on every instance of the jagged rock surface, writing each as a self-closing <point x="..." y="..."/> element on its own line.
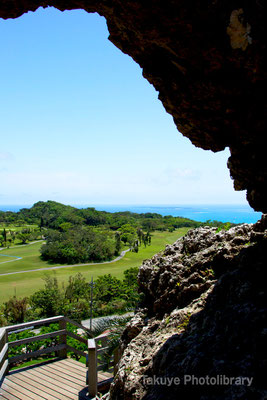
<point x="202" y="314"/>
<point x="207" y="60"/>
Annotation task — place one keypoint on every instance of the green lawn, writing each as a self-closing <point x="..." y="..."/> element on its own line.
<point x="25" y="284"/>
<point x="30" y="258"/>
<point x="15" y="228"/>
<point x="4" y="259"/>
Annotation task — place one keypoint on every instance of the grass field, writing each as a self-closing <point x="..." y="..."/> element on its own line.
<point x="30" y="258"/>
<point x="25" y="284"/>
<point x="15" y="228"/>
<point x="6" y="259"/>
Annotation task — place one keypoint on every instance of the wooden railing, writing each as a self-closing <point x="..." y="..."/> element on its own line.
<point x="3" y="353"/>
<point x="96" y="346"/>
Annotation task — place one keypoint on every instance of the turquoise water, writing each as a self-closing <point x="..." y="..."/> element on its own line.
<point x="224" y="213"/>
<point x="201" y="212"/>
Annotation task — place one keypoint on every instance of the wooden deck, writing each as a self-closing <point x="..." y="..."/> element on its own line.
<point x="58" y="380"/>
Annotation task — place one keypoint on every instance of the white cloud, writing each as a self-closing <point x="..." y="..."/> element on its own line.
<point x="182" y="173"/>
<point x="6" y="156"/>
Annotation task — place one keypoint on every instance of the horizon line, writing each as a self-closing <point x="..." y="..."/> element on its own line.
<point x="126" y="204"/>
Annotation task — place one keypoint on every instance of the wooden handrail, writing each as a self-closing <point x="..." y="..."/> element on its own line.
<point x="61" y="348"/>
<point x="63" y="338"/>
<point x="36" y="353"/>
<point x="37" y="338"/>
<point x="76" y="337"/>
<point x="103" y="336"/>
<point x="76" y="351"/>
<point x="96" y="346"/>
<point x="78" y="325"/>
<point x="26" y="325"/>
<point x="2" y="335"/>
<point x="3" y="353"/>
<point x="94" y="365"/>
<point x="92" y="368"/>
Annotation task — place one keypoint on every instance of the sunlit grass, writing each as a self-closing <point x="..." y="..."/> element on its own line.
<point x="25" y="284"/>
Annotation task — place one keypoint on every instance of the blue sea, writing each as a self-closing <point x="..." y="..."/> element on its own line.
<point x="225" y="213"/>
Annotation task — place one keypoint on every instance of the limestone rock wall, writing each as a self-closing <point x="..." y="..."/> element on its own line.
<point x="207" y="60"/>
<point x="203" y="314"/>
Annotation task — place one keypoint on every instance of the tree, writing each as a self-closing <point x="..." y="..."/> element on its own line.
<point x="65" y="226"/>
<point x="41" y="224"/>
<point x="4" y="234"/>
<point x="140" y="235"/>
<point x="128" y="234"/>
<point x="2" y="241"/>
<point x="48" y="301"/>
<point x="78" y="245"/>
<point x="77" y="288"/>
<point x="148" y="238"/>
<point x="107" y="288"/>
<point x="135" y="247"/>
<point x="13" y="236"/>
<point x="117" y="243"/>
<point x="130" y="287"/>
<point x="127" y="228"/>
<point x="15" y="309"/>
<point x="24" y="237"/>
<point x="130" y="277"/>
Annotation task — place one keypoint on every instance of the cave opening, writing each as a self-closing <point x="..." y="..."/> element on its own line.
<point x="208" y="65"/>
<point x="42" y="61"/>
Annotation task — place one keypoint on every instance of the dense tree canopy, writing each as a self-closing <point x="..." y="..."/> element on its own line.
<point x="52" y="215"/>
<point x="73" y="299"/>
<point x="78" y="245"/>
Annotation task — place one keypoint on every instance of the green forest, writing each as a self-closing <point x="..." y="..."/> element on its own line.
<point x="54" y="215"/>
<point x="83" y="235"/>
<point x="109" y="295"/>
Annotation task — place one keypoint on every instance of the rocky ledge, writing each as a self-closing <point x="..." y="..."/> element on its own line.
<point x="201" y="321"/>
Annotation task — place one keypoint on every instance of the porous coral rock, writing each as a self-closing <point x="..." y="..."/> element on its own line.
<point x="202" y="314"/>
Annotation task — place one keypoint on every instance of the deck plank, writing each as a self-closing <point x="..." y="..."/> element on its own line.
<point x="70" y="366"/>
<point x="21" y="382"/>
<point x="68" y="372"/>
<point x="102" y="376"/>
<point x="47" y="387"/>
<point x="72" y="361"/>
<point x="58" y="380"/>
<point x="72" y="378"/>
<point x="5" y="395"/>
<point x="18" y="390"/>
<point x="14" y="392"/>
<point x="74" y="364"/>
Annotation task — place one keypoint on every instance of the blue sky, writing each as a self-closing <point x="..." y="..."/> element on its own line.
<point x="80" y="125"/>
